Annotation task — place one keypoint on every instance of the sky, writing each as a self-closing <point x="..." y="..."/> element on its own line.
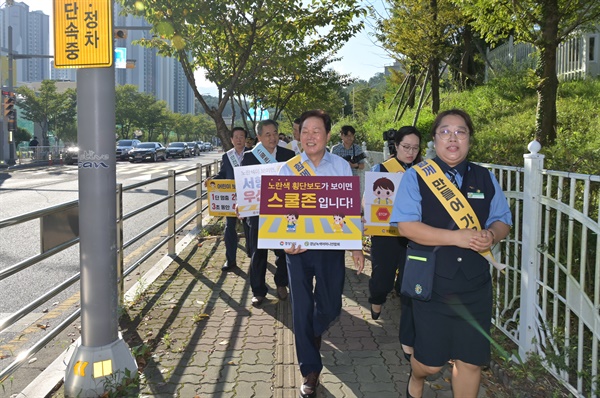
<point x="361" y="57"/>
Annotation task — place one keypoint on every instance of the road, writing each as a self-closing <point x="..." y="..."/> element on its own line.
<point x="26" y="190"/>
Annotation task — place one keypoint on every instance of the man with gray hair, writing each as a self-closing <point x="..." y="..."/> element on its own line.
<point x="266" y="151"/>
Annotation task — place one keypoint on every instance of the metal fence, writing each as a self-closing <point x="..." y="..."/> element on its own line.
<point x="39" y="154"/>
<point x="575" y="57"/>
<point x="548" y="300"/>
<point x="172" y="220"/>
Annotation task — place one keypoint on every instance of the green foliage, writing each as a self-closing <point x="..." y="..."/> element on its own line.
<point x="266" y="49"/>
<point x="51" y="110"/>
<point x="21" y="135"/>
<point x="543" y="23"/>
<point x="122" y="384"/>
<point x="504" y="112"/>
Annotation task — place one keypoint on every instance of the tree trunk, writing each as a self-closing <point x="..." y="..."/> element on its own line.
<point x="412" y="83"/>
<point x="223" y="133"/>
<point x="466" y="59"/>
<point x="434" y="72"/>
<point x="545" y="120"/>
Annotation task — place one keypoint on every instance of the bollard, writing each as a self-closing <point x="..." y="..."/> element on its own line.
<point x="61" y="159"/>
<point x="49" y="159"/>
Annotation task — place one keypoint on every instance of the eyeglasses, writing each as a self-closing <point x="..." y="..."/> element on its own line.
<point x="459" y="134"/>
<point x="409" y="149"/>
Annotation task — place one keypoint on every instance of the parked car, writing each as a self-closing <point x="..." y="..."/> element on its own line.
<point x="208" y="146"/>
<point x="152" y="151"/>
<point x="124" y="147"/>
<point x="200" y="146"/>
<point x="194" y="151"/>
<point x="71" y="154"/>
<point x="178" y="149"/>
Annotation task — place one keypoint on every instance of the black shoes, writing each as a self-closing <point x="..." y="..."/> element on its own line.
<point x="228" y="267"/>
<point x="308" y="389"/>
<point x="408" y="384"/>
<point x="257" y="301"/>
<point x="375" y="315"/>
<point x="282" y="292"/>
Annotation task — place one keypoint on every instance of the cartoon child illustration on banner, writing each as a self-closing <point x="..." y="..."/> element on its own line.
<point x="383" y="189"/>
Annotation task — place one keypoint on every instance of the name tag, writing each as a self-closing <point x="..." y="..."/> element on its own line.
<point x="475" y="195"/>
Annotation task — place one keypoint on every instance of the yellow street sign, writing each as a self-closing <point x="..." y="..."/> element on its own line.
<point x="79" y="368"/>
<point x="83" y="34"/>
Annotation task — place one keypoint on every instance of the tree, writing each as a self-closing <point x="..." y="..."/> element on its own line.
<point x="154" y="118"/>
<point x="65" y="122"/>
<point x="127" y="110"/>
<point x="48" y="108"/>
<point x="421" y="34"/>
<point x="226" y="38"/>
<point x="543" y="23"/>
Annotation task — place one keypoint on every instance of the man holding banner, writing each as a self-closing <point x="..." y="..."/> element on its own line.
<point x="266" y="151"/>
<point x="231" y="159"/>
<point x="314" y="309"/>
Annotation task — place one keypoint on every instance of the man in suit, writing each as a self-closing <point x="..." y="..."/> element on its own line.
<point x="266" y="151"/>
<point x="231" y="159"/>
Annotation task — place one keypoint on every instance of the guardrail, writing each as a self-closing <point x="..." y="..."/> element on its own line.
<point x="174" y="226"/>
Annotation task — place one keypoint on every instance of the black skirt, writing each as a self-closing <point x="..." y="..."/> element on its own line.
<point x="455" y="323"/>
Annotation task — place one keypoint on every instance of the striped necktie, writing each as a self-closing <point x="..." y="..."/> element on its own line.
<point x="452" y="175"/>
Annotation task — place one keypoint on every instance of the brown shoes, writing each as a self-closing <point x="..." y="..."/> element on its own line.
<point x="308" y="389"/>
<point x="282" y="292"/>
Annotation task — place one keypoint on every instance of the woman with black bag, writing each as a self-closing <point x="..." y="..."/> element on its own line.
<point x="457" y="209"/>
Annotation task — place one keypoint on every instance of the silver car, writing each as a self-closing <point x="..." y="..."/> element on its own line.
<point x="124" y="147"/>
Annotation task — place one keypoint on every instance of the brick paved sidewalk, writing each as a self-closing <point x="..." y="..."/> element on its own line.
<point x="208" y="341"/>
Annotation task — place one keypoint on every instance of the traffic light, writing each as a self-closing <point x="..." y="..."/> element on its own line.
<point x="120" y="33"/>
<point x="10" y="113"/>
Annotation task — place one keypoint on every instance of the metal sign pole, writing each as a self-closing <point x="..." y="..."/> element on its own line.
<point x="103" y="354"/>
<point x="101" y="359"/>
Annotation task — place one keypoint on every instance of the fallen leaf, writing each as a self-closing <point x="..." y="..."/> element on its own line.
<point x="41" y="326"/>
<point x="32" y="360"/>
<point x="224" y="342"/>
<point x="230" y="363"/>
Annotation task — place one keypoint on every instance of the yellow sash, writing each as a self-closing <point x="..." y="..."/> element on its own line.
<point x="393" y="166"/>
<point x="453" y="201"/>
<point x="300" y="168"/>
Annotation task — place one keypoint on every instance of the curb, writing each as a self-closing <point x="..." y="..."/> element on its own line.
<point x="47" y="382"/>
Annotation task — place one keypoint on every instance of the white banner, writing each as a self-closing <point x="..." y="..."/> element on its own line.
<point x="247" y="186"/>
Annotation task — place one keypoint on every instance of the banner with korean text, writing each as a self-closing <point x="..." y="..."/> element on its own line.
<point x="247" y="186"/>
<point x="380" y="193"/>
<point x="313" y="212"/>
<point x="221" y="198"/>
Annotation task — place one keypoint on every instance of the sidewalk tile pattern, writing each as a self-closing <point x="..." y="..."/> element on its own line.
<point x="211" y="342"/>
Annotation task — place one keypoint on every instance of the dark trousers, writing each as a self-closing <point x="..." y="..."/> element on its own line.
<point x="388" y="255"/>
<point x="247" y="236"/>
<point x="313" y="310"/>
<point x="231" y="240"/>
<point x="258" y="263"/>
